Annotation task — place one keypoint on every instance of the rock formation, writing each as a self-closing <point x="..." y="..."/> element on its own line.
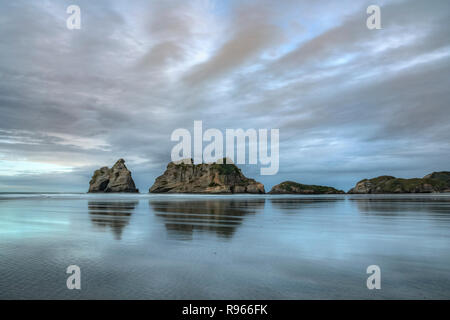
<point x="431" y="183"/>
<point x="289" y="187"/>
<point x="116" y="179"/>
<point x="443" y="176"/>
<point x="216" y="178"/>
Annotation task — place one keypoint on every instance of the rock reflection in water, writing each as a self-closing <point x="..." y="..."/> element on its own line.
<point x="218" y="216"/>
<point x="394" y="206"/>
<point x="114" y="215"/>
<point x="296" y="204"/>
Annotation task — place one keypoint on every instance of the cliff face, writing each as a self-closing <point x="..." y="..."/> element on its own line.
<point x="116" y="179"/>
<point x="432" y="183"/>
<point x="289" y="187"/>
<point x="204" y="178"/>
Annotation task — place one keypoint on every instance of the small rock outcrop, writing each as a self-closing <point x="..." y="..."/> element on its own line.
<point x="214" y="178"/>
<point x="116" y="179"/>
<point x="435" y="182"/>
<point x="290" y="187"/>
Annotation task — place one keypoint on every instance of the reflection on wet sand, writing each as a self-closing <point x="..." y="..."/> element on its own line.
<point x="222" y="217"/>
<point x="115" y="215"/>
<point x="299" y="203"/>
<point x="391" y="206"/>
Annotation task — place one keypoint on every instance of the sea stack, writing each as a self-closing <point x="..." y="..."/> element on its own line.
<point x="116" y="179"/>
<point x="213" y="178"/>
<point x="435" y="182"/>
<point x="290" y="187"/>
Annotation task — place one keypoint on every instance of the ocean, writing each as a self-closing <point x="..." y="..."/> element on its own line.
<point x="146" y="246"/>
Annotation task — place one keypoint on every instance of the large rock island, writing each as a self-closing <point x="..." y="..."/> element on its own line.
<point x="290" y="187"/>
<point x="432" y="183"/>
<point x="215" y="178"/>
<point x="116" y="179"/>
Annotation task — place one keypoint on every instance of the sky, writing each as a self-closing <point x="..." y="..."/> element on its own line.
<point x="349" y="102"/>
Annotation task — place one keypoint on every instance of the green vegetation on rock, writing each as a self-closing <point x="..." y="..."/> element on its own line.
<point x="226" y="169"/>
<point x="434" y="182"/>
<point x="290" y="187"/>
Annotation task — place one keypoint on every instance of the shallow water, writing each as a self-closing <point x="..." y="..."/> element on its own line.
<point x="224" y="247"/>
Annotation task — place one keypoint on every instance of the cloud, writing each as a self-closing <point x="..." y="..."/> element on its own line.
<point x="359" y="102"/>
<point x="251" y="33"/>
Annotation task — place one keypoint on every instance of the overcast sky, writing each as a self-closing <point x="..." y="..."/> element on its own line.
<point x="349" y="102"/>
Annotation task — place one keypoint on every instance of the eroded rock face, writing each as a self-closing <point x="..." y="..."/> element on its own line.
<point x="443" y="176"/>
<point x="371" y="185"/>
<point x="116" y="179"/>
<point x="432" y="183"/>
<point x="289" y="187"/>
<point x="215" y="178"/>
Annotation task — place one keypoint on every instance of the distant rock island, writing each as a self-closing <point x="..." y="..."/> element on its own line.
<point x="116" y="179"/>
<point x="223" y="177"/>
<point x="214" y="178"/>
<point x="290" y="187"/>
<point x="431" y="183"/>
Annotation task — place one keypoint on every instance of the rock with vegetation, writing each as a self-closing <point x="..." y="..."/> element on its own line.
<point x="443" y="176"/>
<point x="289" y="187"/>
<point x="215" y="178"/>
<point x="432" y="183"/>
<point x="116" y="179"/>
